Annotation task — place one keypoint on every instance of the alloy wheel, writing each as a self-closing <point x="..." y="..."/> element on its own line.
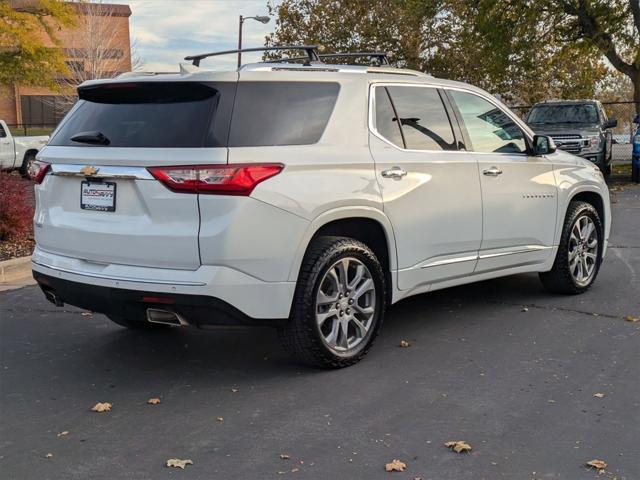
<point x="345" y="304"/>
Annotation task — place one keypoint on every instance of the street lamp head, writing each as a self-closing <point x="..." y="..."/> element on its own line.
<point x="262" y="19"/>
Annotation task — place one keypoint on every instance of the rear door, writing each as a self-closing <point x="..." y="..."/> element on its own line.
<point x="429" y="184"/>
<point x="100" y="203"/>
<point x="518" y="189"/>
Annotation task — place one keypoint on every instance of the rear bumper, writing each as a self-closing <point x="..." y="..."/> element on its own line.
<point x="197" y="310"/>
<point x="206" y="287"/>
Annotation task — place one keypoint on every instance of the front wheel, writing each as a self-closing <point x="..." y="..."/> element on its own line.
<point x="579" y="253"/>
<point x="338" y="306"/>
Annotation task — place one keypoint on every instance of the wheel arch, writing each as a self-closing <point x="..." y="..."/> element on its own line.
<point x="367" y="225"/>
<point x="593" y="198"/>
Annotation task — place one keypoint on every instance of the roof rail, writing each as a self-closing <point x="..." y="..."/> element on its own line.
<point x="312" y="52"/>
<point x="380" y="56"/>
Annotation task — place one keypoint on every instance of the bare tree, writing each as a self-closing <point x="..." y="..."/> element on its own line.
<point x="99" y="48"/>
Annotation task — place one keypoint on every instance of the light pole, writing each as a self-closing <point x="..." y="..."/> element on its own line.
<point x="259" y="18"/>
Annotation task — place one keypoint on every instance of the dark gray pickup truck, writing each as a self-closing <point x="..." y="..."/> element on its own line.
<point x="580" y="127"/>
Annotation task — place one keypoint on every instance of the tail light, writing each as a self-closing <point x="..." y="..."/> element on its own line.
<point x="215" y="179"/>
<point x="37" y="170"/>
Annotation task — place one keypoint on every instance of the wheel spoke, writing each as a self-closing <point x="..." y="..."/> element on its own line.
<point x="343" y="337"/>
<point x="585" y="268"/>
<point x="362" y="289"/>
<point x="332" y="337"/>
<point x="361" y="328"/>
<point x="324" y="299"/>
<point x="359" y="275"/>
<point x="321" y="317"/>
<point x="343" y="268"/>
<point x="591" y="256"/>
<point x="572" y="255"/>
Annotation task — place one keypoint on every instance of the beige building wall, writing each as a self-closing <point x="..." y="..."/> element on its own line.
<point x="113" y="19"/>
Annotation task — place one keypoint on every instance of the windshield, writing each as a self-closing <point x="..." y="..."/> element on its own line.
<point x="585" y="113"/>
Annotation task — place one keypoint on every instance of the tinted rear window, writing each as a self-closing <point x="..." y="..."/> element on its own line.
<point x="281" y="113"/>
<point x="152" y="114"/>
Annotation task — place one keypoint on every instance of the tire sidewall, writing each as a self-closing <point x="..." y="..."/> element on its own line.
<point x="583" y="210"/>
<point x="332" y="255"/>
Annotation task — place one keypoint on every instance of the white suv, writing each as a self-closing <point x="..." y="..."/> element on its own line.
<point x="304" y="196"/>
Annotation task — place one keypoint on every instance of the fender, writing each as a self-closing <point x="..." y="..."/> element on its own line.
<point x="346" y="213"/>
<point x="568" y="188"/>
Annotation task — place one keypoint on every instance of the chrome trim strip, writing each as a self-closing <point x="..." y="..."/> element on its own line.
<point x="449" y="261"/>
<point x="103" y="171"/>
<point x="121" y="279"/>
<point x="527" y="249"/>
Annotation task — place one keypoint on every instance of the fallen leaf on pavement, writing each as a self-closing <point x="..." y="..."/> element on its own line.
<point x="177" y="463"/>
<point x="220" y="419"/>
<point x="395" y="466"/>
<point x="86" y="314"/>
<point x="234" y="390"/>
<point x="294" y="470"/>
<point x="631" y="318"/>
<point x="285" y="456"/>
<point x="525" y="309"/>
<point x="404" y="344"/>
<point x="599" y="464"/>
<point x="102" y="407"/>
<point x="63" y="434"/>
<point x="458" y="446"/>
<point x="49" y="455"/>
<point x="598" y="395"/>
<point x="153" y="401"/>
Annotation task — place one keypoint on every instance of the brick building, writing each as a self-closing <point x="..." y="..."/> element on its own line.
<point x="102" y="30"/>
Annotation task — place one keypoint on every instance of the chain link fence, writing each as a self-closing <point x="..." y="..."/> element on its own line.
<point x="625" y="113"/>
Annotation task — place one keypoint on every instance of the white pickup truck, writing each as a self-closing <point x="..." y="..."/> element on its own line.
<point x="18" y="152"/>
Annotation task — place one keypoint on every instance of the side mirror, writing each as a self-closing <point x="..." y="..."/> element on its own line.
<point x="611" y="123"/>
<point x="543" y="145"/>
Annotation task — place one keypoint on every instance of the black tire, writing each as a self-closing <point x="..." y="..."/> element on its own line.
<point x="301" y="335"/>
<point x="559" y="279"/>
<point x="635" y="173"/>
<point x="137" y="324"/>
<point x="607" y="170"/>
<point x="29" y="157"/>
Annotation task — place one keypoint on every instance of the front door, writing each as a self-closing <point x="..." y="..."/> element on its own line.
<point x="430" y="188"/>
<point x="518" y="189"/>
<point x="6" y="149"/>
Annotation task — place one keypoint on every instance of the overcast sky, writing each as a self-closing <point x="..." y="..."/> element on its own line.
<point x="168" y="30"/>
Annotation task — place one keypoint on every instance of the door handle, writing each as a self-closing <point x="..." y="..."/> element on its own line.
<point x="395" y="172"/>
<point x="7" y="142"/>
<point x="492" y="172"/>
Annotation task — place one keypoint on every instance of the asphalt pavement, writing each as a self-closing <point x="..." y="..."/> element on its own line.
<point x="502" y="365"/>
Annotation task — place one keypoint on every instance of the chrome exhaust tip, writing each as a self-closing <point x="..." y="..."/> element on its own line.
<point x="53" y="298"/>
<point x="165" y="317"/>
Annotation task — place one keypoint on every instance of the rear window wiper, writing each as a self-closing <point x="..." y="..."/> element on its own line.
<point x="96" y="138"/>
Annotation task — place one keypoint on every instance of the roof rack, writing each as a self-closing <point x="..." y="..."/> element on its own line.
<point x="380" y="56"/>
<point x="312" y="53"/>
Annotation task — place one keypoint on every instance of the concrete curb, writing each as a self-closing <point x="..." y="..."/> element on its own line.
<point x="16" y="271"/>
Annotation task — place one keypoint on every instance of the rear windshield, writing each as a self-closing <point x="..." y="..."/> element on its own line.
<point x="190" y="114"/>
<point x="281" y="113"/>
<point x="151" y="114"/>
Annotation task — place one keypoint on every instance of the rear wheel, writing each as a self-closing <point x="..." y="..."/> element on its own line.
<point x="338" y="306"/>
<point x="635" y="173"/>
<point x="136" y="323"/>
<point x="579" y="253"/>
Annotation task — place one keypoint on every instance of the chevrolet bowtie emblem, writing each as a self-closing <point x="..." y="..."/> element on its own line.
<point x="88" y="170"/>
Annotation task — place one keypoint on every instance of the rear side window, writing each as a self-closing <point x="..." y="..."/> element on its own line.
<point x="2" y="133"/>
<point x="281" y="113"/>
<point x="423" y="117"/>
<point x="152" y="114"/>
<point x="386" y="122"/>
